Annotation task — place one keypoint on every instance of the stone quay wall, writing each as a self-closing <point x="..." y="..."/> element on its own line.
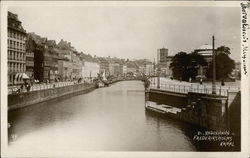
<point x="205" y="110"/>
<point x="16" y="101"/>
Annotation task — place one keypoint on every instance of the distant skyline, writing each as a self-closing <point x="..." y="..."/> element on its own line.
<point x="135" y="32"/>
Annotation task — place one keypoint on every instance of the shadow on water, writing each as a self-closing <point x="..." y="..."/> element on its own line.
<point x="187" y="129"/>
<point x="38" y="116"/>
<point x="190" y="130"/>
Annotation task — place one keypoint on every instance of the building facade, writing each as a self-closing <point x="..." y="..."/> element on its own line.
<point x="45" y="58"/>
<point x="123" y="69"/>
<point x="162" y="55"/>
<point x="16" y="50"/>
<point x="163" y="62"/>
<point x="149" y="69"/>
<point x="30" y="57"/>
<point x="104" y="66"/>
<point x="90" y="69"/>
<point x="64" y="70"/>
<point x="70" y="64"/>
<point x="206" y="51"/>
<point x="116" y="69"/>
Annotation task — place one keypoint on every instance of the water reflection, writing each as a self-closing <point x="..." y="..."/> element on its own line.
<point x="111" y="118"/>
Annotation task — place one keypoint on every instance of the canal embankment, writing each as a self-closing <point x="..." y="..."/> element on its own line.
<point x="205" y="110"/>
<point x="20" y="100"/>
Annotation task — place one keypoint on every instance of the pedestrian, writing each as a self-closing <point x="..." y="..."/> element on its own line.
<point x="28" y="87"/>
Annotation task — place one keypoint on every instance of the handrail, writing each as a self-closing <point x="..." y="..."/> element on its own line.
<point x="223" y="91"/>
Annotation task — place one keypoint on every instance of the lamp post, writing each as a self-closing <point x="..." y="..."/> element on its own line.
<point x="214" y="73"/>
<point x="158" y="78"/>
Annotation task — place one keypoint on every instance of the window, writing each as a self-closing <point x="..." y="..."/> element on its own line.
<point x="10" y="54"/>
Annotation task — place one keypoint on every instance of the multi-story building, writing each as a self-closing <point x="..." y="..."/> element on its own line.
<point x="123" y="69"/>
<point x="30" y="57"/>
<point x="131" y="67"/>
<point x="163" y="62"/>
<point x="165" y="66"/>
<point x="111" y="68"/>
<point x="90" y="69"/>
<point x="76" y="65"/>
<point x="16" y="50"/>
<point x="149" y="68"/>
<point x="70" y="62"/>
<point x="116" y="69"/>
<point x="51" y="56"/>
<point x="206" y="51"/>
<point x="64" y="70"/>
<point x="162" y="55"/>
<point x="45" y="67"/>
<point x="104" y="66"/>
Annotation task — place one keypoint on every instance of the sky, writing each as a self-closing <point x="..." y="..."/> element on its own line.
<point x="135" y="32"/>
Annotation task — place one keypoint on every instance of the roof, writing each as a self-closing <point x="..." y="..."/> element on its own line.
<point x="51" y="43"/>
<point x="205" y="47"/>
<point x="37" y="39"/>
<point x="64" y="45"/>
<point x="13" y="16"/>
<point x="131" y="64"/>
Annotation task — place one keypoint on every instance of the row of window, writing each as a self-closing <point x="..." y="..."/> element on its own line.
<point x="29" y="63"/>
<point x="16" y="35"/>
<point x="16" y="45"/>
<point x="14" y="55"/>
<point x="16" y="67"/>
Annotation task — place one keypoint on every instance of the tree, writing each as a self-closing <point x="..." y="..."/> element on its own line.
<point x="179" y="65"/>
<point x="196" y="61"/>
<point x="224" y="65"/>
<point x="185" y="66"/>
<point x="223" y="49"/>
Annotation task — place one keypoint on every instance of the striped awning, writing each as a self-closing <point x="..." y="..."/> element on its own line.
<point x="21" y="75"/>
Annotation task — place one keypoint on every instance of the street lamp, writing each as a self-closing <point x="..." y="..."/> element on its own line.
<point x="158" y="78"/>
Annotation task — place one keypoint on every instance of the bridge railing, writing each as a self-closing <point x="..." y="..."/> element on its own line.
<point x="204" y="89"/>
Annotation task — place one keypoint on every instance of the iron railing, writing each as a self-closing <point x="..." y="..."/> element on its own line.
<point x="36" y="87"/>
<point x="204" y="89"/>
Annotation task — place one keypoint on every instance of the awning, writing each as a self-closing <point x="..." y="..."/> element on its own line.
<point x="17" y="75"/>
<point x="21" y="75"/>
<point x="25" y="76"/>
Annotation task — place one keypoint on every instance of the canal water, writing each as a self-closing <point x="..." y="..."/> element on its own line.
<point x="106" y="119"/>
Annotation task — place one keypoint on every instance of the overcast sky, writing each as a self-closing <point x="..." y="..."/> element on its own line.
<point x="135" y="32"/>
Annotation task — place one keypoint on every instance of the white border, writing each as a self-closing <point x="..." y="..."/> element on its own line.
<point x="244" y="84"/>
